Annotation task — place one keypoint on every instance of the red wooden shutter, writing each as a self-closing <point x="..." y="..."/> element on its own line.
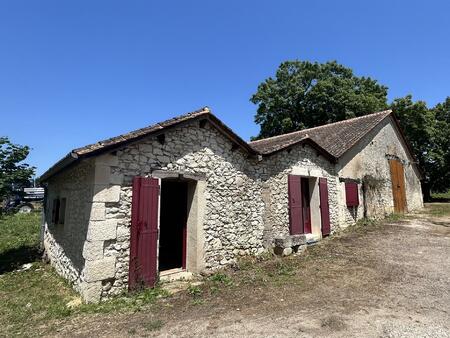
<point x="295" y="205"/>
<point x="144" y="232"/>
<point x="351" y="194"/>
<point x="324" y="207"/>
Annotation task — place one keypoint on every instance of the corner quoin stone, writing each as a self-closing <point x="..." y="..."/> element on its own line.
<point x="91" y="292"/>
<point x="106" y="193"/>
<point x="100" y="269"/>
<point x="97" y="212"/>
<point x="102" y="230"/>
<point x="93" y="250"/>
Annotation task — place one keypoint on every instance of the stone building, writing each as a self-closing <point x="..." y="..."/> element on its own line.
<point x="188" y="195"/>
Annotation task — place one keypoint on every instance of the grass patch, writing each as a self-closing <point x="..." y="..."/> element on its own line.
<point x="195" y="291"/>
<point x="437" y="209"/>
<point x="394" y="217"/>
<point x="221" y="278"/>
<point x="19" y="240"/>
<point x="30" y="297"/>
<point x="443" y="196"/>
<point x="39" y="296"/>
<point x="365" y="222"/>
<point x="154" y="325"/>
<point x="126" y="302"/>
<point x="34" y="295"/>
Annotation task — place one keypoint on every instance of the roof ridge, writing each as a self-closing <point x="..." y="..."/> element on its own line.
<point x="388" y="111"/>
<point x="158" y="125"/>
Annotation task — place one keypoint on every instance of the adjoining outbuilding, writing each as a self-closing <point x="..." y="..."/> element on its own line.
<point x="188" y="195"/>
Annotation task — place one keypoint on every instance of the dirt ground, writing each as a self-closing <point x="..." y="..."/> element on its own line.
<point x="388" y="280"/>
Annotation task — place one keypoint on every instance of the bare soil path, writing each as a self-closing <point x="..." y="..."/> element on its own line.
<point x="387" y="280"/>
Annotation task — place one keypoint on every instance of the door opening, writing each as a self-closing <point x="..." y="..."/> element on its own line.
<point x="306" y="205"/>
<point x="172" y="224"/>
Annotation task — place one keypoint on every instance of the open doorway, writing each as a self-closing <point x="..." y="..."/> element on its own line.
<point x="306" y="205"/>
<point x="172" y="224"/>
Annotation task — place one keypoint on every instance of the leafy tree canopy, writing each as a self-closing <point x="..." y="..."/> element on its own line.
<point x="304" y="95"/>
<point x="13" y="172"/>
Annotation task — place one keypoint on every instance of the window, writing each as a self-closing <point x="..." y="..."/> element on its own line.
<point x="62" y="211"/>
<point x="55" y="211"/>
<point x="59" y="211"/>
<point x="351" y="194"/>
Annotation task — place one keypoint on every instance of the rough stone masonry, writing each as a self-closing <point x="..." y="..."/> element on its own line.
<point x="239" y="197"/>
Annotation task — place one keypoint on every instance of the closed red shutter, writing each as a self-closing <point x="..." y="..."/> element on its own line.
<point x="324" y="207"/>
<point x="295" y="205"/>
<point x="351" y="194"/>
<point x="144" y="232"/>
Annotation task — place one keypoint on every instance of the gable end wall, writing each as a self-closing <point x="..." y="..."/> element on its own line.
<point x="370" y="158"/>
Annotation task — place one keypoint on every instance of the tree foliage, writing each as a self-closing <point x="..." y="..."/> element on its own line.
<point x="428" y="131"/>
<point x="13" y="172"/>
<point x="304" y="95"/>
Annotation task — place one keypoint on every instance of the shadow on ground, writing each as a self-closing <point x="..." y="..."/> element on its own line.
<point x="12" y="259"/>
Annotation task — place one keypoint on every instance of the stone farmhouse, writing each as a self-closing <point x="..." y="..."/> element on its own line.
<point x="188" y="195"/>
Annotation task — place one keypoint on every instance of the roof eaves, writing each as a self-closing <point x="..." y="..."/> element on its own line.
<point x="121" y="140"/>
<point x="58" y="166"/>
<point x="306" y="140"/>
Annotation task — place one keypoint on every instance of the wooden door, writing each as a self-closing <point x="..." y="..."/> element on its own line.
<point x="144" y="232"/>
<point x="324" y="206"/>
<point x="306" y="205"/>
<point x="398" y="185"/>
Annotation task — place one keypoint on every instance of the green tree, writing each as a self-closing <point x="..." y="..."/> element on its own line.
<point x="429" y="135"/>
<point x="13" y="172"/>
<point x="304" y="95"/>
<point x="441" y="177"/>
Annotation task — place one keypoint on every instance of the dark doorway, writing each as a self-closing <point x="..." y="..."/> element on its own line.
<point x="172" y="225"/>
<point x="306" y="202"/>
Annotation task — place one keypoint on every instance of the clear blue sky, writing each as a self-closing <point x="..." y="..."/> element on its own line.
<point x="75" y="72"/>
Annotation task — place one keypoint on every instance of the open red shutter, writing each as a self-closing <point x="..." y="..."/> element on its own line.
<point x="324" y="207"/>
<point x="144" y="232"/>
<point x="295" y="205"/>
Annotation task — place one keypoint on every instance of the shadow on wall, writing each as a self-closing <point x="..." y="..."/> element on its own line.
<point x="67" y="213"/>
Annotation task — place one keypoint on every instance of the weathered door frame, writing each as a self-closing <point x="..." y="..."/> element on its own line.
<point x="195" y="237"/>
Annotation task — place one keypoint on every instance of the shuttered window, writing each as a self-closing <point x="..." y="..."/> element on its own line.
<point x="62" y="211"/>
<point x="55" y="211"/>
<point x="351" y="194"/>
<point x="59" y="211"/>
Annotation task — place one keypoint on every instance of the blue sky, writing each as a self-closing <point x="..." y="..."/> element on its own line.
<point x="75" y="72"/>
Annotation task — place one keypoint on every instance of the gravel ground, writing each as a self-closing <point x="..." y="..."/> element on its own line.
<point x="390" y="280"/>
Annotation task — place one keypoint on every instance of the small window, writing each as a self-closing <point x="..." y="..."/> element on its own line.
<point x="351" y="194"/>
<point x="55" y="210"/>
<point x="62" y="211"/>
<point x="59" y="211"/>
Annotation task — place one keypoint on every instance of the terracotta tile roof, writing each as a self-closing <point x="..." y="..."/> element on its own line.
<point x="114" y="142"/>
<point x="331" y="140"/>
<point x="335" y="138"/>
<point x="136" y="134"/>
